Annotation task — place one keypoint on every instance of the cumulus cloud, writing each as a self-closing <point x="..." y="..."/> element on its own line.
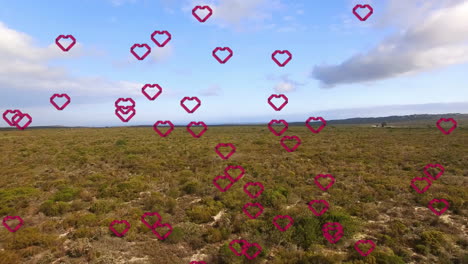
<point x="213" y="90"/>
<point x="438" y="39"/>
<point x="284" y="83"/>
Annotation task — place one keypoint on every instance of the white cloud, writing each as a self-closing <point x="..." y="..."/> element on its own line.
<point x="284" y="87"/>
<point x="213" y="90"/>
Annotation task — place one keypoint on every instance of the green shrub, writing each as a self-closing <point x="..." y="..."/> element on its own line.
<point x="176" y="236"/>
<point x="102" y="207"/>
<point x="65" y="194"/>
<point x="51" y="208"/>
<point x="28" y="237"/>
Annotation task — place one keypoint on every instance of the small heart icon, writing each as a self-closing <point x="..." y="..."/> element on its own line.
<point x="416" y="188"/>
<point x="190" y="111"/>
<point x="59" y="38"/>
<point x="224" y="145"/>
<point x="281" y="64"/>
<point x="257" y="214"/>
<point x="435" y="211"/>
<point x="19" y="117"/>
<point x="316" y="131"/>
<point x="370" y="242"/>
<point x="121" y="100"/>
<point x="64" y="103"/>
<point x="258" y="193"/>
<point x="160" y="226"/>
<point x="332" y="238"/>
<point x="125" y="113"/>
<point x="167" y="122"/>
<point x="437" y="176"/>
<point x="149" y="214"/>
<point x="275" y="132"/>
<point x="9" y="114"/>
<point x="325" y="208"/>
<point x="117" y="233"/>
<point x="223" y="177"/>
<point x="146" y="46"/>
<point x="297" y="139"/>
<point x="197" y="262"/>
<point x="9" y="218"/>
<point x="230" y="168"/>
<point x="446" y="132"/>
<point x="226" y="58"/>
<point x="152" y="87"/>
<point x="197" y="9"/>
<point x="368" y="7"/>
<point x="242" y="243"/>
<point x="257" y="252"/>
<point x="287" y="226"/>
<point x="285" y="102"/>
<point x="193" y="123"/>
<point x="332" y="181"/>
<point x="163" y="43"/>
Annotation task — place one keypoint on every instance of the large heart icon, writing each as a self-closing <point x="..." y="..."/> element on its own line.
<point x="437" y="176"/>
<point x="197" y="262"/>
<point x="221" y="145"/>
<point x="64" y="103"/>
<point x="9" y="114"/>
<point x="165" y="235"/>
<point x="232" y="167"/>
<point x="125" y="113"/>
<point x="316" y="131"/>
<point x="325" y="208"/>
<point x="257" y="214"/>
<point x="59" y="38"/>
<point x="146" y="46"/>
<point x="163" y="43"/>
<point x="167" y="122"/>
<point x="446" y="132"/>
<point x="9" y="218"/>
<point x="222" y="61"/>
<point x="275" y="132"/>
<point x="285" y="102"/>
<point x="332" y="238"/>
<point x="368" y="7"/>
<point x="148" y="214"/>
<point x="193" y="123"/>
<point x="370" y="242"/>
<point x="297" y="139"/>
<point x="435" y="211"/>
<point x="116" y="222"/>
<point x="151" y="87"/>
<point x="281" y="64"/>
<point x="197" y="9"/>
<point x="223" y="177"/>
<point x="190" y="111"/>
<point x="19" y="117"/>
<point x="258" y="193"/>
<point x="287" y="226"/>
<point x="416" y="188"/>
<point x="332" y="181"/>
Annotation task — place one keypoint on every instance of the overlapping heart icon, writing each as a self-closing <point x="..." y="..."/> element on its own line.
<point x="157" y="225"/>
<point x="125" y="109"/>
<point x="244" y="248"/>
<point x="228" y="176"/>
<point x="17" y="118"/>
<point x="336" y="235"/>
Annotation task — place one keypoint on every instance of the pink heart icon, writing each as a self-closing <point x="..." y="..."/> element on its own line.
<point x="222" y="61"/>
<point x="164" y="32"/>
<point x="332" y="238"/>
<point x="232" y="167"/>
<point x="190" y="111"/>
<point x="297" y="139"/>
<point x="258" y="193"/>
<point x="356" y="246"/>
<point x="57" y="41"/>
<point x="18" y="117"/>
<point x="257" y="214"/>
<point x="124" y="100"/>
<point x="147" y="214"/>
<point x="428" y="174"/>
<point x="152" y="87"/>
<point x="9" y="114"/>
<point x="162" y="237"/>
<point x="220" y="145"/>
<point x="195" y="12"/>
<point x="243" y="246"/>
<point x="125" y="113"/>
<point x="275" y="132"/>
<point x="14" y="229"/>
<point x="281" y="64"/>
<point x="421" y="179"/>
<point x="64" y="104"/>
<point x="223" y="177"/>
<point x="368" y="7"/>
<point x="117" y="233"/>
<point x="316" y="131"/>
<point x="332" y="181"/>
<point x="197" y="262"/>
<point x="287" y="226"/>
<point x="148" y="50"/>
<point x="247" y="246"/>
<point x="167" y="122"/>
<point x="446" y="132"/>
<point x="447" y="205"/>
<point x="193" y="123"/>
<point x="278" y="96"/>
<point x="324" y="209"/>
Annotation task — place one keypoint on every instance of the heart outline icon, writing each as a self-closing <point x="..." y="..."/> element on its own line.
<point x="151" y="214"/>
<point x="197" y="262"/>
<point x="124" y="110"/>
<point x="332" y="181"/>
<point x="447" y="205"/>
<point x="371" y="11"/>
<point x="164" y="32"/>
<point x="416" y="188"/>
<point x="196" y="8"/>
<point x="159" y="235"/>
<point x="446" y="120"/>
<point x="364" y="254"/>
<point x="313" y="130"/>
<point x="167" y="122"/>
<point x="10" y="120"/>
<point x="224" y="177"/>
<point x="233" y="150"/>
<point x="335" y="237"/>
<point x="117" y="233"/>
<point x="257" y="214"/>
<point x="222" y="49"/>
<point x="232" y="167"/>
<point x="298" y="143"/>
<point x="282" y="229"/>
<point x="147" y="86"/>
<point x="193" y="123"/>
<point x="441" y="168"/>
<point x="21" y="116"/>
<point x="18" y="226"/>
<point x="259" y="250"/>
<point x="237" y="241"/>
<point x="324" y="209"/>
<point x="118" y="101"/>
<point x="276" y="133"/>
<point x="278" y="96"/>
<point x="57" y="41"/>
<point x="182" y="103"/>
<point x="258" y="193"/>
<point x="60" y="108"/>
<point x="276" y="52"/>
<point x="148" y="50"/>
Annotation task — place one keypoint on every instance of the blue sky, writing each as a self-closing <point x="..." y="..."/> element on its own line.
<point x="405" y="56"/>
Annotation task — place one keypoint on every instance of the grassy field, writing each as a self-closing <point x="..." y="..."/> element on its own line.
<point x="69" y="184"/>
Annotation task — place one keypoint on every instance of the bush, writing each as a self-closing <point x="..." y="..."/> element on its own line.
<point x="51" y="208"/>
<point x="66" y="194"/>
<point x="102" y="207"/>
<point x="30" y="237"/>
<point x="176" y="236"/>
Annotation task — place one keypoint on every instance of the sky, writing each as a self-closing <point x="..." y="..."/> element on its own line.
<point x="408" y="57"/>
